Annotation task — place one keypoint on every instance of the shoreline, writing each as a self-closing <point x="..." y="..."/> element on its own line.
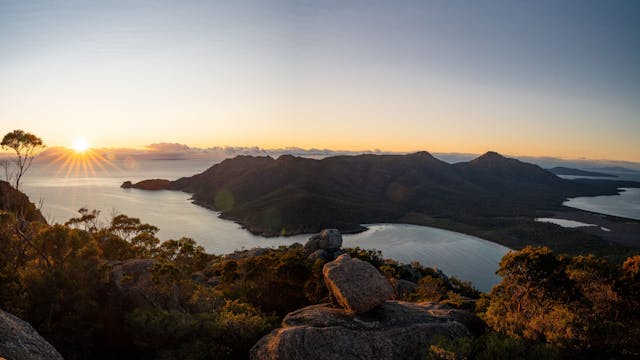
<point x="624" y="231"/>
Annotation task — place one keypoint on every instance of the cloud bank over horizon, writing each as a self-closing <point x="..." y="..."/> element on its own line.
<point x="178" y="151"/>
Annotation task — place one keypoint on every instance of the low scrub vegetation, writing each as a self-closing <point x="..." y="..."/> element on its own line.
<point x="63" y="279"/>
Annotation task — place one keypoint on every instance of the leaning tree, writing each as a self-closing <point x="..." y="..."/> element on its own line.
<point x="26" y="146"/>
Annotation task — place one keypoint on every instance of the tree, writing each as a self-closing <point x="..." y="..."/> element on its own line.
<point x="535" y="299"/>
<point x="26" y="146"/>
<point x="583" y="304"/>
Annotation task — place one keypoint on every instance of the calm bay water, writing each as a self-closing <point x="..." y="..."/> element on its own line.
<point x="627" y="204"/>
<point x="568" y="223"/>
<point x="466" y="257"/>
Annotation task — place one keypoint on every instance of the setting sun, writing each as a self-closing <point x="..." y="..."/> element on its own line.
<point x="80" y="145"/>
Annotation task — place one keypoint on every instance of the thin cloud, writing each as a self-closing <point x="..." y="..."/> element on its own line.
<point x="177" y="151"/>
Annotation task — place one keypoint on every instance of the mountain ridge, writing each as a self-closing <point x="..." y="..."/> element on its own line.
<point x="290" y="194"/>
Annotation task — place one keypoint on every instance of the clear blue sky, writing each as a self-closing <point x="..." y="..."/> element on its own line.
<point x="531" y="78"/>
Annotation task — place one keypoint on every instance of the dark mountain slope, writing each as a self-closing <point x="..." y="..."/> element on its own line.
<point x="293" y="194"/>
<point x="14" y="201"/>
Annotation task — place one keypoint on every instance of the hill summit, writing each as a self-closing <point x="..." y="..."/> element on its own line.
<point x="291" y="194"/>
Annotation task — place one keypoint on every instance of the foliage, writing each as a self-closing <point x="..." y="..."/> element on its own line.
<point x="12" y="258"/>
<point x="58" y="278"/>
<point x="279" y="280"/>
<point x="491" y="346"/>
<point x="140" y="236"/>
<point x="26" y="146"/>
<point x="162" y="334"/>
<point x="60" y="292"/>
<point x="430" y="289"/>
<point x="374" y="257"/>
<point x="185" y="253"/>
<point x="578" y="304"/>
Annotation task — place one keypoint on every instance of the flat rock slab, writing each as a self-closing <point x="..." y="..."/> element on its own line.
<point x="394" y="330"/>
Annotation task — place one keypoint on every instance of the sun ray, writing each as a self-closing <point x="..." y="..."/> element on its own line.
<point x="83" y="163"/>
<point x="68" y="165"/>
<point x="79" y="160"/>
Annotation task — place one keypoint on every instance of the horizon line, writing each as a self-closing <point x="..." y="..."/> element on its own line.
<point x="182" y="151"/>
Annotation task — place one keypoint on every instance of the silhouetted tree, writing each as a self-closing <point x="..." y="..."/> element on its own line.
<point x="26" y="146"/>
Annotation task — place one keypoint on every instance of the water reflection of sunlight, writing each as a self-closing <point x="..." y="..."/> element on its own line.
<point x="75" y="163"/>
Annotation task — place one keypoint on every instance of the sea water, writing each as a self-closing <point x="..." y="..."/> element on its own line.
<point x="62" y="193"/>
<point x="626" y="204"/>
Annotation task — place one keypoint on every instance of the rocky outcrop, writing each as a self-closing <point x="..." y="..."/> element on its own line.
<point x="440" y="274"/>
<point x="355" y="284"/>
<point x="152" y="184"/>
<point x="18" y="340"/>
<point x="404" y="288"/>
<point x="16" y="202"/>
<point x="325" y="245"/>
<point x="364" y="324"/>
<point x="320" y="254"/>
<point x="328" y="239"/>
<point x="412" y="273"/>
<point x="393" y="330"/>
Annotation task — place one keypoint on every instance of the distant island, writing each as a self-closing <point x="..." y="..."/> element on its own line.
<point x="560" y="170"/>
<point x="152" y="184"/>
<point x="616" y="169"/>
<point x="492" y="196"/>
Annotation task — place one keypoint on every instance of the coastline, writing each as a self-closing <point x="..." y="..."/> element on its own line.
<point x="506" y="231"/>
<point x="624" y="231"/>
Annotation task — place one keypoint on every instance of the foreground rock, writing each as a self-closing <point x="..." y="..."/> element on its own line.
<point x="356" y="285"/>
<point x="18" y="340"/>
<point x="324" y="246"/>
<point x="393" y="330"/>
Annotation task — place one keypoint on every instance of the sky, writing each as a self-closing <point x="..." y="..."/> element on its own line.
<point x="543" y="78"/>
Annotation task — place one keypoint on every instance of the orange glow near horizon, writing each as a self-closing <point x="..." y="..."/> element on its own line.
<point x="512" y="149"/>
<point x="79" y="160"/>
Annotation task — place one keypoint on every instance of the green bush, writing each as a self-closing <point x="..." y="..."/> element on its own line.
<point x="227" y="333"/>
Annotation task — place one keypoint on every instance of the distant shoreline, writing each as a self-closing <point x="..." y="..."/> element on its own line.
<point x="623" y="230"/>
<point x="491" y="197"/>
